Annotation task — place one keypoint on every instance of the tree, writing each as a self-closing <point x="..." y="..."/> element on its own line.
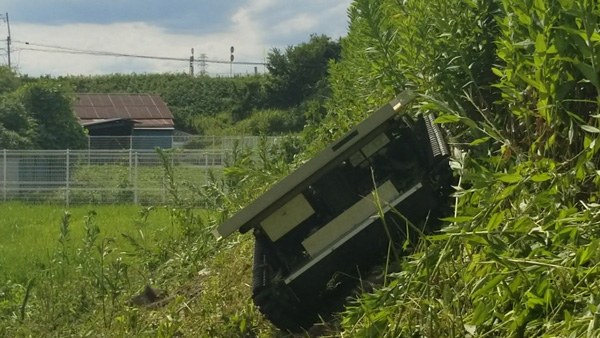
<point x="8" y="80"/>
<point x="16" y="125"/>
<point x="49" y="103"/>
<point x="300" y="73"/>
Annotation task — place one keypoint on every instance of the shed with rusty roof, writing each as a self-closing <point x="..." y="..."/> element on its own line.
<point x="138" y="121"/>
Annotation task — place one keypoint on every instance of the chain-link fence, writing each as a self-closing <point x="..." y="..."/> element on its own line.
<point x="101" y="176"/>
<point x="176" y="141"/>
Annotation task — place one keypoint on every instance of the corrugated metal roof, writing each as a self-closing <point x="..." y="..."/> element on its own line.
<point x="162" y="123"/>
<point x="88" y="122"/>
<point x="147" y="110"/>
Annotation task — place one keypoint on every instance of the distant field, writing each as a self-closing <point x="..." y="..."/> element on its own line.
<point x="106" y="184"/>
<point x="29" y="233"/>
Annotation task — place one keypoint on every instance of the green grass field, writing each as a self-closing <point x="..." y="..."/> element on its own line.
<point x="52" y="285"/>
<point x="29" y="233"/>
<point x="106" y="184"/>
<point x="62" y="277"/>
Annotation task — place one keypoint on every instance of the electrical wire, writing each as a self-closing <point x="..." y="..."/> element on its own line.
<point x="104" y="54"/>
<point x="67" y="50"/>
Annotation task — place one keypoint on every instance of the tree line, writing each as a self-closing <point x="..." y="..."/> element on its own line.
<point x="35" y="112"/>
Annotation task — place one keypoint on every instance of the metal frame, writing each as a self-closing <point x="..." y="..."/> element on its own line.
<point x="309" y="172"/>
<point x="342" y="240"/>
<point x="51" y="176"/>
<point x="177" y="141"/>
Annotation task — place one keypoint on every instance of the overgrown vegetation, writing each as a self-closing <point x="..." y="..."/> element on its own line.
<point x="515" y="82"/>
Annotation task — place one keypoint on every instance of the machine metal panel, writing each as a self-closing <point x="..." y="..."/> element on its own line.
<point x="287" y="217"/>
<point x="341" y="241"/>
<point x="312" y="170"/>
<point x="373" y="146"/>
<point x="357" y="158"/>
<point x="349" y="219"/>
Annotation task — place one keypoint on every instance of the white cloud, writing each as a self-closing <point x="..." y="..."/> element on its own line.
<point x="249" y="29"/>
<point x="300" y="23"/>
<point x="259" y="5"/>
<point x="127" y="38"/>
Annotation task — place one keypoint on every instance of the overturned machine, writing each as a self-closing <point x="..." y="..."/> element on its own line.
<point x="339" y="213"/>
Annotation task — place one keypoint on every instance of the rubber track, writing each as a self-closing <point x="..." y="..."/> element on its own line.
<point x="275" y="301"/>
<point x="436" y="140"/>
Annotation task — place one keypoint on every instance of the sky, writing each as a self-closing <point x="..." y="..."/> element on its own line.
<point x="49" y="36"/>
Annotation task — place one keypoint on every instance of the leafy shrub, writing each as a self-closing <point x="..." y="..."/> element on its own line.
<point x="516" y="83"/>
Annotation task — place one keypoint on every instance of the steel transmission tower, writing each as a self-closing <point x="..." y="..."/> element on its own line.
<point x="202" y="63"/>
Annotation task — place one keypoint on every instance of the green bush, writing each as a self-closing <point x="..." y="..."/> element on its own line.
<point x="516" y="84"/>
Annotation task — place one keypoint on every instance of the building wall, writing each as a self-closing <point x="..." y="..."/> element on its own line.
<point x="152" y="138"/>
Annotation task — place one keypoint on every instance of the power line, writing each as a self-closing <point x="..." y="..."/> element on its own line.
<point x="67" y="50"/>
<point x="104" y="54"/>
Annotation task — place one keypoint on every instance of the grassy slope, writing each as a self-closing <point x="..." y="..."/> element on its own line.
<point x="215" y="299"/>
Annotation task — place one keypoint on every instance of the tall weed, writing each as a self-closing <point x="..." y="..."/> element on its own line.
<point x="516" y="83"/>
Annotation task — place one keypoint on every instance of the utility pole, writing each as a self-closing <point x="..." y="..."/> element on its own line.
<point x="8" y="39"/>
<point x="192" y="64"/>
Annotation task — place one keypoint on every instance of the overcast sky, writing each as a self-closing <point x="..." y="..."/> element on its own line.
<point x="158" y="28"/>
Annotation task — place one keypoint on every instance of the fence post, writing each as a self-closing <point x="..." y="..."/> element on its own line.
<point x="135" y="180"/>
<point x="205" y="166"/>
<point x="164" y="190"/>
<point x="4" y="165"/>
<point x="67" y="177"/>
<point x="130" y="163"/>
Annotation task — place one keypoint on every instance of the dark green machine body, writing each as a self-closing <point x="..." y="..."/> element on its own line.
<point x="337" y="214"/>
